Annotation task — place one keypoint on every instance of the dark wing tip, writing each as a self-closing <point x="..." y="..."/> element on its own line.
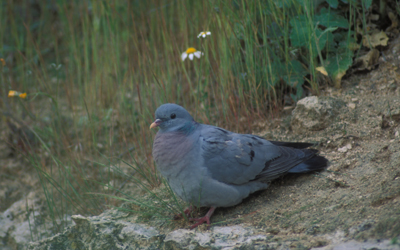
<point x="298" y="145"/>
<point x="313" y="164"/>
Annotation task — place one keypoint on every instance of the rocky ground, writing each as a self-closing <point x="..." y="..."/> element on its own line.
<point x="354" y="204"/>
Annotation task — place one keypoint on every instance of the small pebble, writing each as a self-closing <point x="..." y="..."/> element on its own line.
<point x="345" y="148"/>
<point x="351" y="105"/>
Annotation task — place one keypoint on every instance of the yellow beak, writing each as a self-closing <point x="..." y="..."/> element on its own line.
<point x="155" y="123"/>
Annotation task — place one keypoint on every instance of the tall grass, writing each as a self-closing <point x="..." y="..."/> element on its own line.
<point x="95" y="71"/>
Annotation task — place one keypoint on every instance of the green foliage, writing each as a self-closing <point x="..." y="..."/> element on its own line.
<point x="333" y="3"/>
<point x="295" y="78"/>
<point x="325" y="36"/>
<point x="338" y="63"/>
<point x="330" y="18"/>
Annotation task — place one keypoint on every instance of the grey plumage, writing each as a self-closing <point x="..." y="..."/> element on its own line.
<point x="211" y="167"/>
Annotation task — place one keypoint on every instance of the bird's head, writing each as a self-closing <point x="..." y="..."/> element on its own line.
<point x="172" y="117"/>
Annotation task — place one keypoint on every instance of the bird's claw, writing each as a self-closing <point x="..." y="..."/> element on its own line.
<point x="188" y="212"/>
<point x="200" y="221"/>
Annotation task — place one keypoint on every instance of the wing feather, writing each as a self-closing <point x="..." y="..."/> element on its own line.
<point x="238" y="159"/>
<point x="234" y="158"/>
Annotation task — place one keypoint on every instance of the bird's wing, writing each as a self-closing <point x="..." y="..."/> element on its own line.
<point x="239" y="158"/>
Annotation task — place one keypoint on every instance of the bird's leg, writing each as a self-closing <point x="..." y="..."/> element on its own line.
<point x="188" y="212"/>
<point x="206" y="218"/>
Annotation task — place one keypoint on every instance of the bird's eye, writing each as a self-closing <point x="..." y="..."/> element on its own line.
<point x="173" y="116"/>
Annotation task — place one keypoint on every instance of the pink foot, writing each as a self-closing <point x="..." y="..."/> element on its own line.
<point x="206" y="219"/>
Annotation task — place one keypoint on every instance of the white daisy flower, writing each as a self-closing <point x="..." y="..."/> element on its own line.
<point x="191" y="53"/>
<point x="204" y="34"/>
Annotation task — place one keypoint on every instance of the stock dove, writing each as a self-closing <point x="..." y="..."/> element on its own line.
<point x="212" y="167"/>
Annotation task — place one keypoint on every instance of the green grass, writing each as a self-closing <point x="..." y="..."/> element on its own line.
<point x="95" y="71"/>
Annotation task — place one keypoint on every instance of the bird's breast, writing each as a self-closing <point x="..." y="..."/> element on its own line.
<point x="172" y="152"/>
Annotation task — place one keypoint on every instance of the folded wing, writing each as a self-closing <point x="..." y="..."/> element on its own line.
<point x="238" y="159"/>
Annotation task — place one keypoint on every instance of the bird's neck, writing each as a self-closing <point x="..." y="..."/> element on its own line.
<point x="187" y="128"/>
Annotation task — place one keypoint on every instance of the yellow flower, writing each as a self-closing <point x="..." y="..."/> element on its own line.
<point x="13" y="93"/>
<point x="204" y="34"/>
<point x="191" y="53"/>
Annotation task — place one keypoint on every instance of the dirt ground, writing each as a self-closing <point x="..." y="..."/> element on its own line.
<point x="358" y="195"/>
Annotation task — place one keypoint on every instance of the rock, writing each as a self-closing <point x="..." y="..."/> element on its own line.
<point x="355" y="245"/>
<point x="22" y="221"/>
<point x="351" y="105"/>
<point x="109" y="230"/>
<point x="112" y="230"/>
<point x="345" y="148"/>
<point x="315" y="113"/>
<point x="218" y="238"/>
<point x="338" y="241"/>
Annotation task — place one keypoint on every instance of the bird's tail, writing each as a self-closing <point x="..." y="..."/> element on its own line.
<point x="298" y="145"/>
<point x="313" y="164"/>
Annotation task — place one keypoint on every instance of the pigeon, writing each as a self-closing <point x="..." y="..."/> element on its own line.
<point x="209" y="166"/>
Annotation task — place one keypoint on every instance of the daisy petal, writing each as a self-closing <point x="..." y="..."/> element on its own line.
<point x="183" y="56"/>
<point x="204" y="34"/>
<point x="191" y="56"/>
<point x="198" y="54"/>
